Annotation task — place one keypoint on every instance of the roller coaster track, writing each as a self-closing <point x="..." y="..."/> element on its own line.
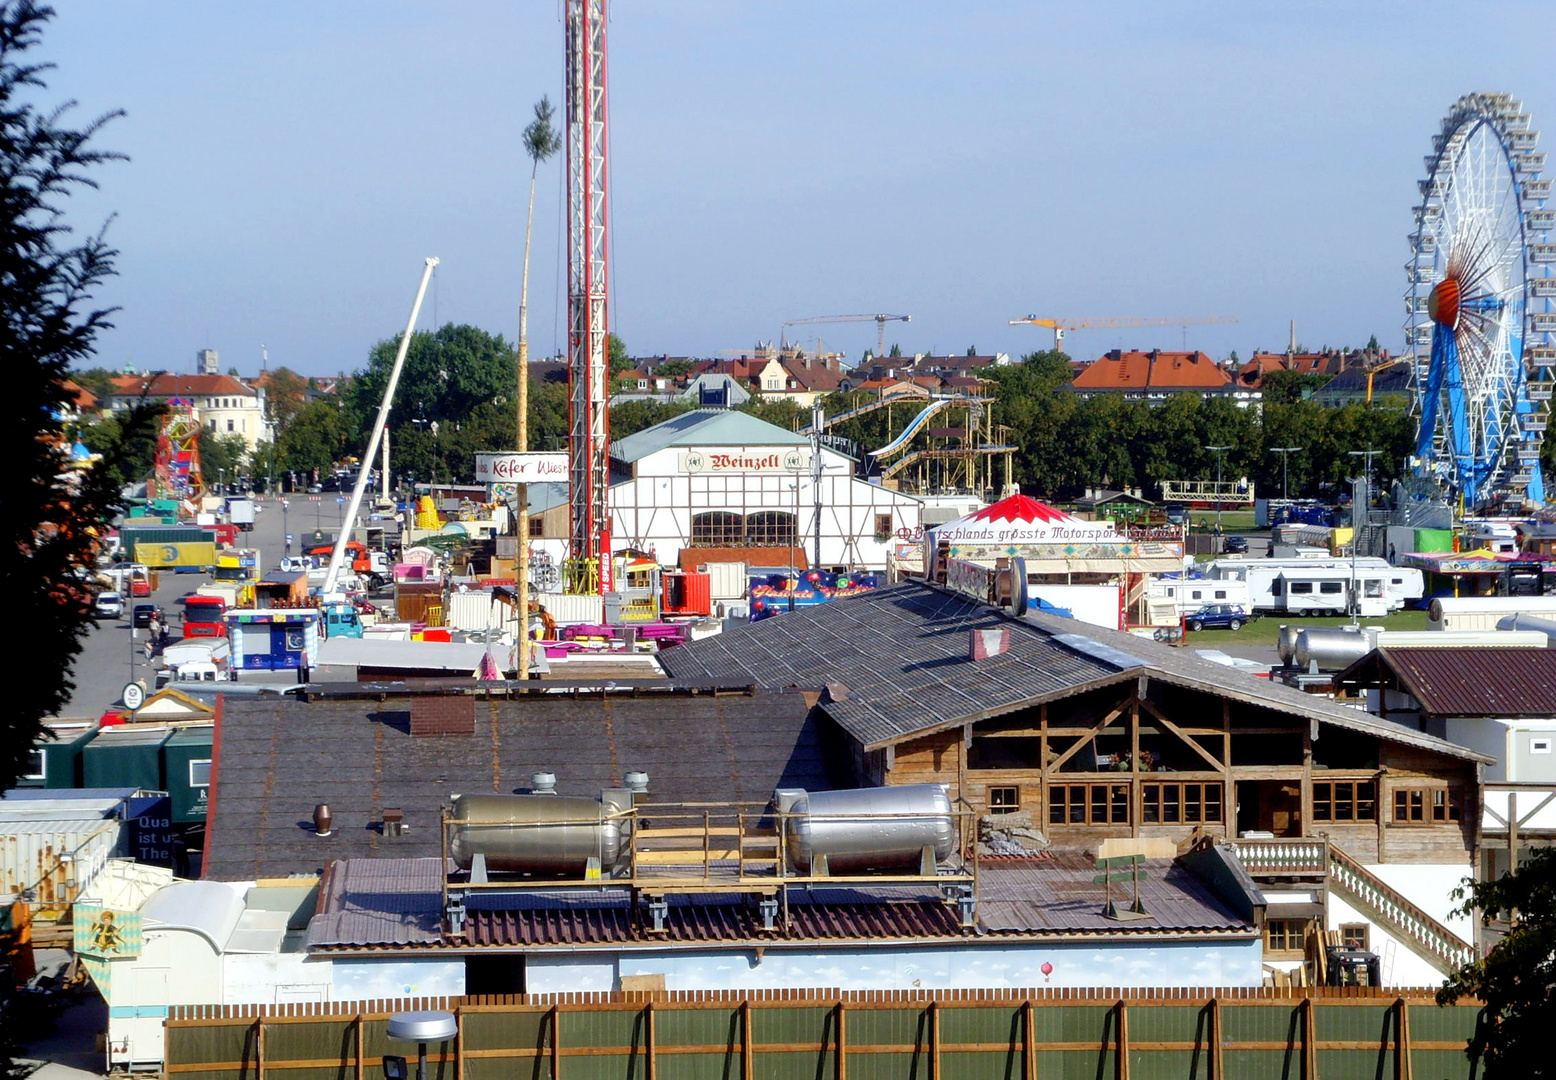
<point x="939" y="455"/>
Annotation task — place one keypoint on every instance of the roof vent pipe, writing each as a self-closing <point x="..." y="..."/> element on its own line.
<point x="322" y="819"/>
<point x="635" y="782"/>
<point x="542" y="783"/>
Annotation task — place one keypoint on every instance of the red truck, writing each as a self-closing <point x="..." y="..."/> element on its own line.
<point x="203" y="616"/>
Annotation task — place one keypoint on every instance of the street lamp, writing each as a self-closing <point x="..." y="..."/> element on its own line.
<point x="1220" y="452"/>
<point x="1285" y="453"/>
<point x="1357" y="522"/>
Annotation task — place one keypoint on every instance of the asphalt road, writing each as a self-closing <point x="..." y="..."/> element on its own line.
<point x="109" y="658"/>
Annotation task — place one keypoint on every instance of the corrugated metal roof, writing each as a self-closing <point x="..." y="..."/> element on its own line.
<point x="379" y="902"/>
<point x="703" y="923"/>
<point x="900" y="658"/>
<point x="1476" y="680"/>
<point x="704" y="427"/>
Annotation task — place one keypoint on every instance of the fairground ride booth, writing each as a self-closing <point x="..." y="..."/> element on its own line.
<point x="1075" y="567"/>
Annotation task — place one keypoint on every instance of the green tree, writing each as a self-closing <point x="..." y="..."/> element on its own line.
<point x="222" y="456"/>
<point x="99" y="380"/>
<point x="1284" y="387"/>
<point x="285" y="394"/>
<point x="619" y="360"/>
<point x="673" y="369"/>
<point x="315" y="439"/>
<point x="446" y="375"/>
<point x="1514" y="979"/>
<point x="49" y="324"/>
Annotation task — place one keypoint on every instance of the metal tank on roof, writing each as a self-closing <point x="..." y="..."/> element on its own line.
<point x="866" y="830"/>
<point x="541" y="834"/>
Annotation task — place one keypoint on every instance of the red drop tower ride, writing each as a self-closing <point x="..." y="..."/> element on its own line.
<point x="588" y="343"/>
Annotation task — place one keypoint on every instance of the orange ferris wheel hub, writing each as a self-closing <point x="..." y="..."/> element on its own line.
<point x="1443" y="303"/>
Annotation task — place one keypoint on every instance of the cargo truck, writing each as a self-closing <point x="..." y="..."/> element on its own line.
<point x="241" y="513"/>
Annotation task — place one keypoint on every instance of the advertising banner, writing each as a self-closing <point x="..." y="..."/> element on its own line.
<point x="514" y="468"/>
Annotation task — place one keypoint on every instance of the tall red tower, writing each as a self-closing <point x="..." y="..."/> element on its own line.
<point x="588" y="342"/>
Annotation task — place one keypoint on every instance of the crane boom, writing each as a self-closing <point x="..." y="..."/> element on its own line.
<point x="879" y="320"/>
<point x="1120" y="322"/>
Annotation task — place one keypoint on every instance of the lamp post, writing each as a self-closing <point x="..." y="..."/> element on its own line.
<point x="1220" y="452"/>
<point x="419" y="1028"/>
<point x="1358" y="519"/>
<point x="1285" y="453"/>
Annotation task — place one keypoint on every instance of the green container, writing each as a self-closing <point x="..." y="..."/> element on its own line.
<point x="122" y="758"/>
<point x="130" y="535"/>
<point x="1433" y="541"/>
<point x="62" y="760"/>
<point x="186" y="773"/>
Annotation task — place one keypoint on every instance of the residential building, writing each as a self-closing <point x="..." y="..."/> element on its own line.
<point x="222" y="403"/>
<point x="1155" y="375"/>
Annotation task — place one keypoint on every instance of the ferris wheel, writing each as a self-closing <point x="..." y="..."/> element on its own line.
<point x="1480" y="312"/>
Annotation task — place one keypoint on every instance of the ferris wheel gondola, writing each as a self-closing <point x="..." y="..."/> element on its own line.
<point x="1481" y="321"/>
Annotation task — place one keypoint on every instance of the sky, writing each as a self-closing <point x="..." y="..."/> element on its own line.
<point x="292" y="163"/>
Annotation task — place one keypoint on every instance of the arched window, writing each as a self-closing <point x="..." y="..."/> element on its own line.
<point x="717" y="528"/>
<point x="770" y="528"/>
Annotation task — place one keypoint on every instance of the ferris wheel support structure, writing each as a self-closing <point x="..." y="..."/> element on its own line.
<point x="1481" y="304"/>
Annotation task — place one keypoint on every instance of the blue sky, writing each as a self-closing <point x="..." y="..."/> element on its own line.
<point x="293" y="162"/>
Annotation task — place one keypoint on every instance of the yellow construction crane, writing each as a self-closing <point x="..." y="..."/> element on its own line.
<point x="1123" y="322"/>
<point x="879" y="320"/>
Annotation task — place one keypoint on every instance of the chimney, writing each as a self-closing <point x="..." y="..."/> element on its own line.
<point x="542" y="783"/>
<point x="394" y="821"/>
<point x="1291" y="346"/>
<point x="983" y="644"/>
<point x="322" y="819"/>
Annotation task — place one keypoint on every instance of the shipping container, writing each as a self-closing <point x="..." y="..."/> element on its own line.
<point x="199" y="555"/>
<point x="34" y="833"/>
<point x="186" y="773"/>
<point x="123" y="757"/>
<point x="56" y="763"/>
<point x="686" y="594"/>
<point x="476" y="610"/>
<point x="419" y="601"/>
<point x="568" y="609"/>
<point x="726" y="580"/>
<point x="130" y="535"/>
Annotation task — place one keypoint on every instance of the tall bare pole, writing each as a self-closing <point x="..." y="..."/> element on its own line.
<point x="541" y="142"/>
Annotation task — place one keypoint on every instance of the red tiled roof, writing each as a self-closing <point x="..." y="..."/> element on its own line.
<point x="83" y="398"/>
<point x="714" y="922"/>
<point x="167" y="384"/>
<point x="1154" y="370"/>
<point x="693" y="557"/>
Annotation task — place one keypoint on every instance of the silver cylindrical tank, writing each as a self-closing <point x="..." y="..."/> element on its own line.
<point x="1522" y="622"/>
<point x="535" y="834"/>
<point x="1333" y="648"/>
<point x="1287" y="643"/>
<point x="866" y="830"/>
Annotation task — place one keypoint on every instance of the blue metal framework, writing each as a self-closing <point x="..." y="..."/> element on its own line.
<point x="1480" y="315"/>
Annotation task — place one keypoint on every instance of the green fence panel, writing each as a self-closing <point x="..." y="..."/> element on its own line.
<point x="725" y="1066"/>
<point x="1176" y="1064"/>
<point x="1075" y="1064"/>
<point x="888" y="1066"/>
<point x="794" y="1065"/>
<point x="1264" y="1064"/>
<point x="328" y="1039"/>
<point x="505" y="1031"/>
<point x="697" y="1027"/>
<point x="980" y="1025"/>
<point x="536" y="1068"/>
<point x="1169" y="1023"/>
<point x="216" y="1044"/>
<point x="625" y="1029"/>
<point x="979" y="1064"/>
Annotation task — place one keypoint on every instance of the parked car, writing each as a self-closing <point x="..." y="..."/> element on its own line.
<point x="1235" y="545"/>
<point x="143" y="615"/>
<point x="109" y="605"/>
<point x="1217" y="617"/>
<point x="1177" y="515"/>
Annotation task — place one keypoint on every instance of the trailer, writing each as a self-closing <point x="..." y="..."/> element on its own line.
<point x="1322" y="585"/>
<point x="1191" y="593"/>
